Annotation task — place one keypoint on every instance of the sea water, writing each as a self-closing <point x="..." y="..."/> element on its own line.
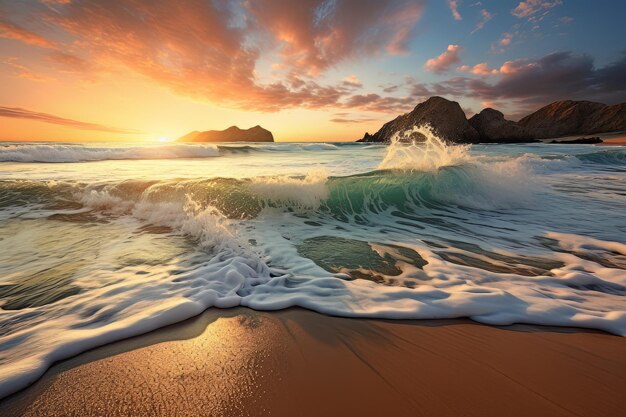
<point x="99" y="242"/>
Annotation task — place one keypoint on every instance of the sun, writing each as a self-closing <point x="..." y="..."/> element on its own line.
<point x="163" y="139"/>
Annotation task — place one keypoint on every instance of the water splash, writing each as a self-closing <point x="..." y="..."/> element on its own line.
<point x="429" y="155"/>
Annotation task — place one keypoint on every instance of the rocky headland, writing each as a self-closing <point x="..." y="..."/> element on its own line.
<point x="559" y="119"/>
<point x="232" y="134"/>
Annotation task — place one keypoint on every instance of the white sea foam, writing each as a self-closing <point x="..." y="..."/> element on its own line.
<point x="308" y="192"/>
<point x="429" y="155"/>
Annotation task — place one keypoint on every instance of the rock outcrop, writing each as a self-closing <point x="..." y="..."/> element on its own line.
<point x="232" y="134"/>
<point x="493" y="127"/>
<point x="569" y="118"/>
<point x="444" y="116"/>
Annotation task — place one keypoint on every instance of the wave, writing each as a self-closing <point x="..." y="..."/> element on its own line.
<point x="84" y="153"/>
<point x="66" y="153"/>
<point x="473" y="186"/>
<point x="610" y="157"/>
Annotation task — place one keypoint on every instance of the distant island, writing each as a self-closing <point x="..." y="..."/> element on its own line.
<point x="558" y="119"/>
<point x="232" y="134"/>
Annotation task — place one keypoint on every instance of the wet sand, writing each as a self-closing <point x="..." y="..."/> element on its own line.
<point x="300" y="363"/>
<point x="613" y="141"/>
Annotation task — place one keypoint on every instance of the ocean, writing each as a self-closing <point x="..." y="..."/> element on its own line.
<point x="100" y="242"/>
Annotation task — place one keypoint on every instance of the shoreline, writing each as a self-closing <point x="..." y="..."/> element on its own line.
<point x="297" y="362"/>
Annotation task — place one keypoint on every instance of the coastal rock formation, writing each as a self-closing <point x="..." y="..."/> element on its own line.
<point x="444" y="116"/>
<point x="561" y="118"/>
<point x="232" y="134"/>
<point x="568" y="118"/>
<point x="493" y="127"/>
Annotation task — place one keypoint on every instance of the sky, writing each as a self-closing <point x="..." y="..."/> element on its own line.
<point x="307" y="70"/>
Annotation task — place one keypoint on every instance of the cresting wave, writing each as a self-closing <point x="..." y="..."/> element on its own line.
<point x="433" y="232"/>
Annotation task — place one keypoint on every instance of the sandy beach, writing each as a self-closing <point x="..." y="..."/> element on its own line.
<point x="614" y="141"/>
<point x="300" y="363"/>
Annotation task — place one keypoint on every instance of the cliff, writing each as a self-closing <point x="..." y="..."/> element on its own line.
<point x="569" y="118"/>
<point x="493" y="127"/>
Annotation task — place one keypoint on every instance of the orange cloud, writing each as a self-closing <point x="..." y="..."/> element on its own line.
<point x="15" y="112"/>
<point x="22" y="71"/>
<point x="479" y="69"/>
<point x="10" y="30"/>
<point x="209" y="50"/>
<point x="444" y="61"/>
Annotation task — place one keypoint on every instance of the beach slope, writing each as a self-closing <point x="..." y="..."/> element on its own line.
<point x="300" y="363"/>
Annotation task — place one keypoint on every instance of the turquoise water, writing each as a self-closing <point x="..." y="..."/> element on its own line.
<point x="101" y="241"/>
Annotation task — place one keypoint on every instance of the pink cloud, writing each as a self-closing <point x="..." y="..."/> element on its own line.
<point x="512" y="67"/>
<point x="454" y="8"/>
<point x="485" y="17"/>
<point x="444" y="61"/>
<point x="352" y="81"/>
<point x="506" y="39"/>
<point x="530" y="7"/>
<point x="479" y="69"/>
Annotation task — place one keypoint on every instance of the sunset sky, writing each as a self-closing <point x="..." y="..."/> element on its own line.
<point x="88" y="70"/>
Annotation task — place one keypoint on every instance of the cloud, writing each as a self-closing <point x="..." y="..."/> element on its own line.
<point x="347" y="118"/>
<point x="566" y="19"/>
<point x="526" y="84"/>
<point x="10" y="30"/>
<point x="390" y="88"/>
<point x="15" y="112"/>
<point x="352" y="81"/>
<point x="376" y="103"/>
<point x="506" y="39"/>
<point x="479" y="69"/>
<point x="444" y="61"/>
<point x="209" y="50"/>
<point x="454" y="8"/>
<point x="69" y="62"/>
<point x="455" y="87"/>
<point x="22" y="71"/>
<point x="529" y="7"/>
<point x="485" y="17"/>
<point x="312" y="36"/>
<point x="557" y="76"/>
